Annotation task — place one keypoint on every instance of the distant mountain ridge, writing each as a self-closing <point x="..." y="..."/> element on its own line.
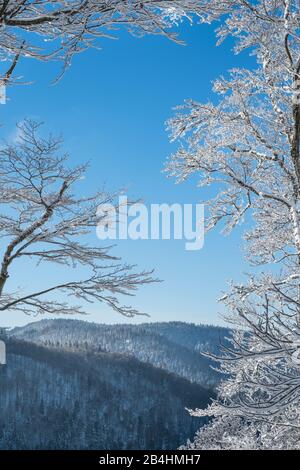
<point x="172" y="346"/>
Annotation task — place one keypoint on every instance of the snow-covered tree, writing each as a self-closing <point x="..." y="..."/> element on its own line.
<point x="234" y="433"/>
<point x="53" y="29"/>
<point x="246" y="146"/>
<point x="44" y="220"/>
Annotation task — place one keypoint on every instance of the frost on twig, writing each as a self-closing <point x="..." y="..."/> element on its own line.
<point x="44" y="221"/>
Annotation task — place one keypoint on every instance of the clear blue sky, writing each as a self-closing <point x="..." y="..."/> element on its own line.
<point x="111" y="107"/>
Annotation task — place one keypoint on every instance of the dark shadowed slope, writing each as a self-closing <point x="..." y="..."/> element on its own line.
<point x="56" y="399"/>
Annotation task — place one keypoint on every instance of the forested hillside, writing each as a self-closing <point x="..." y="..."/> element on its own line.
<point x="57" y="399"/>
<point x="174" y="346"/>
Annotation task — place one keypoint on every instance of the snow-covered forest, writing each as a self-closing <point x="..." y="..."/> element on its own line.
<point x="71" y="394"/>
<point x="238" y="147"/>
<point x="175" y="347"/>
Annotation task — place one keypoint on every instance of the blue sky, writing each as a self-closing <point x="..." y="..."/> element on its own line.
<point x="111" y="107"/>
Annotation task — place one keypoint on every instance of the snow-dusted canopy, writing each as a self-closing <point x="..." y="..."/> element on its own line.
<point x="43" y="220"/>
<point x="246" y="146"/>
